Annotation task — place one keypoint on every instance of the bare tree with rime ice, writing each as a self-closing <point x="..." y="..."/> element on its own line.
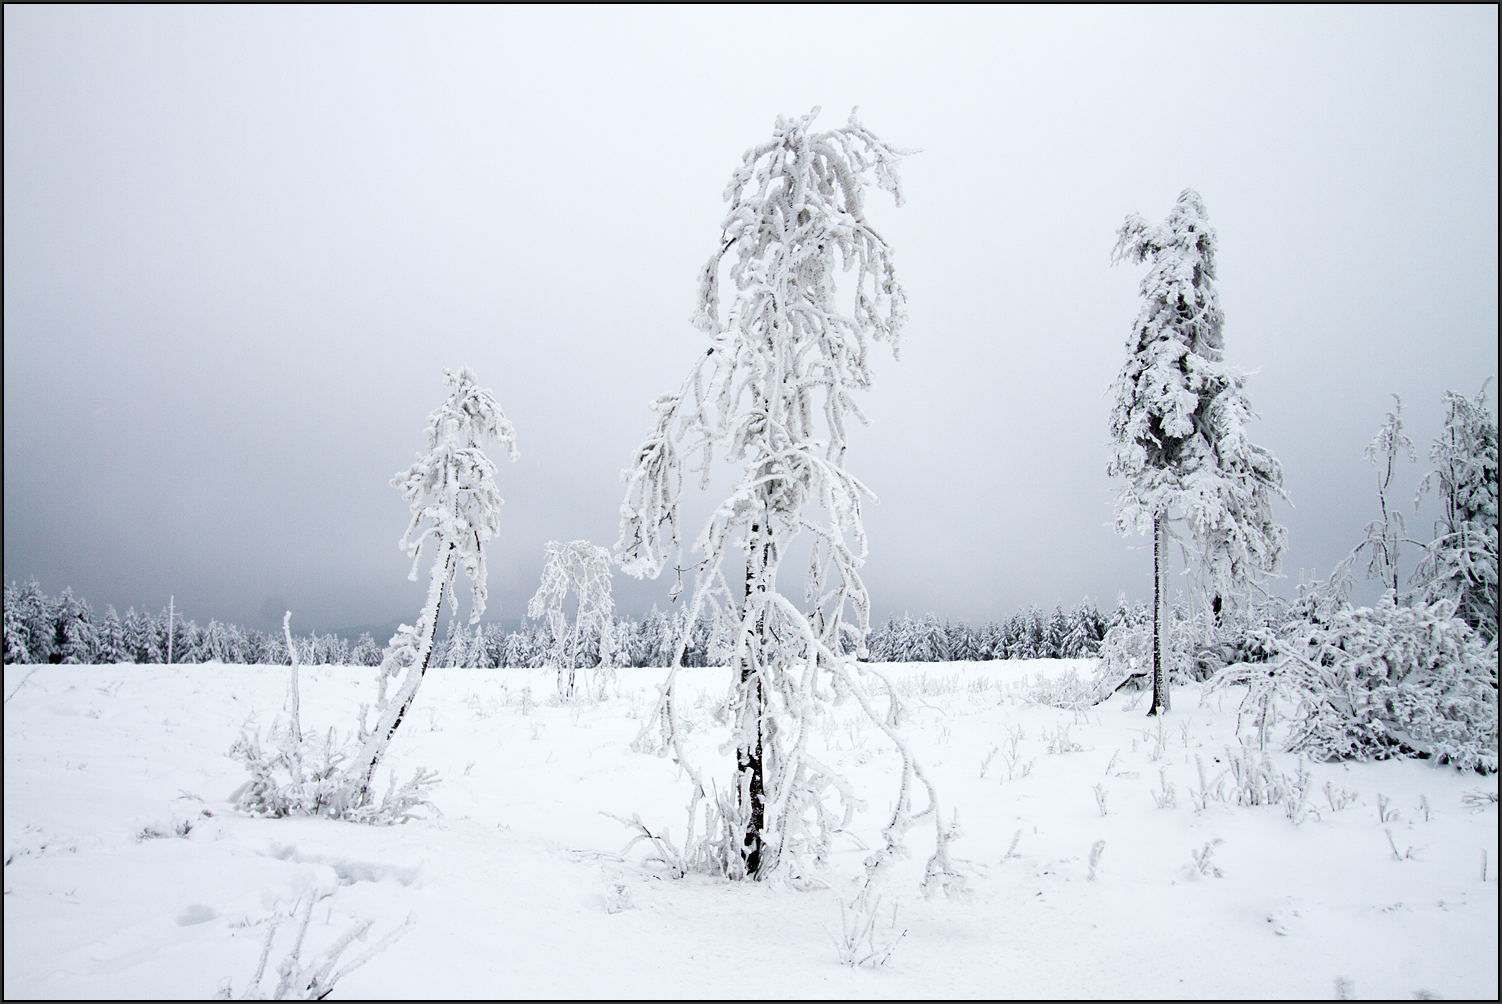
<point x="1178" y="423"/>
<point x="1385" y="534"/>
<point x="584" y="569"/>
<point x="455" y="511"/>
<point x="773" y="394"/>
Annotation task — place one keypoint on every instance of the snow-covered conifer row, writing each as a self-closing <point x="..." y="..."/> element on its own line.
<point x="42" y="628"/>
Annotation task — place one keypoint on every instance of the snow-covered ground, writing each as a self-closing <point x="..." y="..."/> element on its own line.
<point x="128" y="875"/>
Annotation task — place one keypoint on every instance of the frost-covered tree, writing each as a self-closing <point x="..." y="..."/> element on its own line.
<point x="17" y="642"/>
<point x="111" y="638"/>
<point x="583" y="569"/>
<point x="77" y="641"/>
<point x="29" y="635"/>
<point x="1178" y="422"/>
<point x="1385" y="534"/>
<point x="455" y="511"/>
<point x="140" y="639"/>
<point x="774" y="394"/>
<point x="1461" y="563"/>
<point x="656" y="639"/>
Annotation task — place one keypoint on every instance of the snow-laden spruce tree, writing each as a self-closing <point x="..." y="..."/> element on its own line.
<point x="774" y="395"/>
<point x="583" y="569"/>
<point x="455" y="511"/>
<point x="1178" y="423"/>
<point x="1461" y="563"/>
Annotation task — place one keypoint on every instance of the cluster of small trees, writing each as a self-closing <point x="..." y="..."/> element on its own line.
<point x="1417" y="674"/>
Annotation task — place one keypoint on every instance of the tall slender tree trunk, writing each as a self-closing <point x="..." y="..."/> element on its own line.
<point x="750" y="778"/>
<point x="1160" y="570"/>
<point x="375" y="745"/>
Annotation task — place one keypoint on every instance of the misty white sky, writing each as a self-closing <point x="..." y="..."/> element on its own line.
<point x="242" y="244"/>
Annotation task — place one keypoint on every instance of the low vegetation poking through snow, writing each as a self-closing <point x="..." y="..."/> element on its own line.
<point x="1096" y="844"/>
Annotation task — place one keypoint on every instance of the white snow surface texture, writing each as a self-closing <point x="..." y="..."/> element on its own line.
<point x="127" y="874"/>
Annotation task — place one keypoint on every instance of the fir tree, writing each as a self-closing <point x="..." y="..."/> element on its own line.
<point x="1461" y="563"/>
<point x="1178" y="423"/>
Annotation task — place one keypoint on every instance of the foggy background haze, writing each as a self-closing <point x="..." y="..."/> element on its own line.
<point x="242" y="245"/>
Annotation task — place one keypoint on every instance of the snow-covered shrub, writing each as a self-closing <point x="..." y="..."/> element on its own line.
<point x="314" y="979"/>
<point x="775" y="394"/>
<point x="1068" y="691"/>
<point x="1378" y="682"/>
<point x="299" y="776"/>
<point x="1126" y="652"/>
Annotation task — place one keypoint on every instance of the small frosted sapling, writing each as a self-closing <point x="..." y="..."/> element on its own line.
<point x="985" y="764"/>
<point x="1167" y="796"/>
<point x="583" y="569"/>
<point x="1384" y="534"/>
<point x="1012" y="850"/>
<point x="1339" y="798"/>
<point x="1396" y="854"/>
<point x="1202" y="859"/>
<point x="774" y="393"/>
<point x="455" y="512"/>
<point x="858" y="944"/>
<point x="316" y="978"/>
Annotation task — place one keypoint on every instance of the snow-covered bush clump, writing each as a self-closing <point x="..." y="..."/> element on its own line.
<point x="1378" y="682"/>
<point x="1196" y="645"/>
<point x="300" y="775"/>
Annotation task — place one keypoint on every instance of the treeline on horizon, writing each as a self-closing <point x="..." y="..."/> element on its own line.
<point x="66" y="629"/>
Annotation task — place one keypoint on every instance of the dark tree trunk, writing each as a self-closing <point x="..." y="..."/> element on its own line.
<point x="1160" y="676"/>
<point x="750" y="769"/>
<point x="420" y="668"/>
<point x="753" y="783"/>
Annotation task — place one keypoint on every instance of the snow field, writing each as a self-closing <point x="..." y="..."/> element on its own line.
<point x="128" y="875"/>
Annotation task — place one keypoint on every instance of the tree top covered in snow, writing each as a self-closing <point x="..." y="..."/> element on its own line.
<point x="1179" y="414"/>
<point x="451" y="488"/>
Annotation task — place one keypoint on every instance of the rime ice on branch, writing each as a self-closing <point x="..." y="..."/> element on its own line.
<point x="774" y="395"/>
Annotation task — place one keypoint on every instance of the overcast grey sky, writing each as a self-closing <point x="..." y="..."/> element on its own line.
<point x="242" y="244"/>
